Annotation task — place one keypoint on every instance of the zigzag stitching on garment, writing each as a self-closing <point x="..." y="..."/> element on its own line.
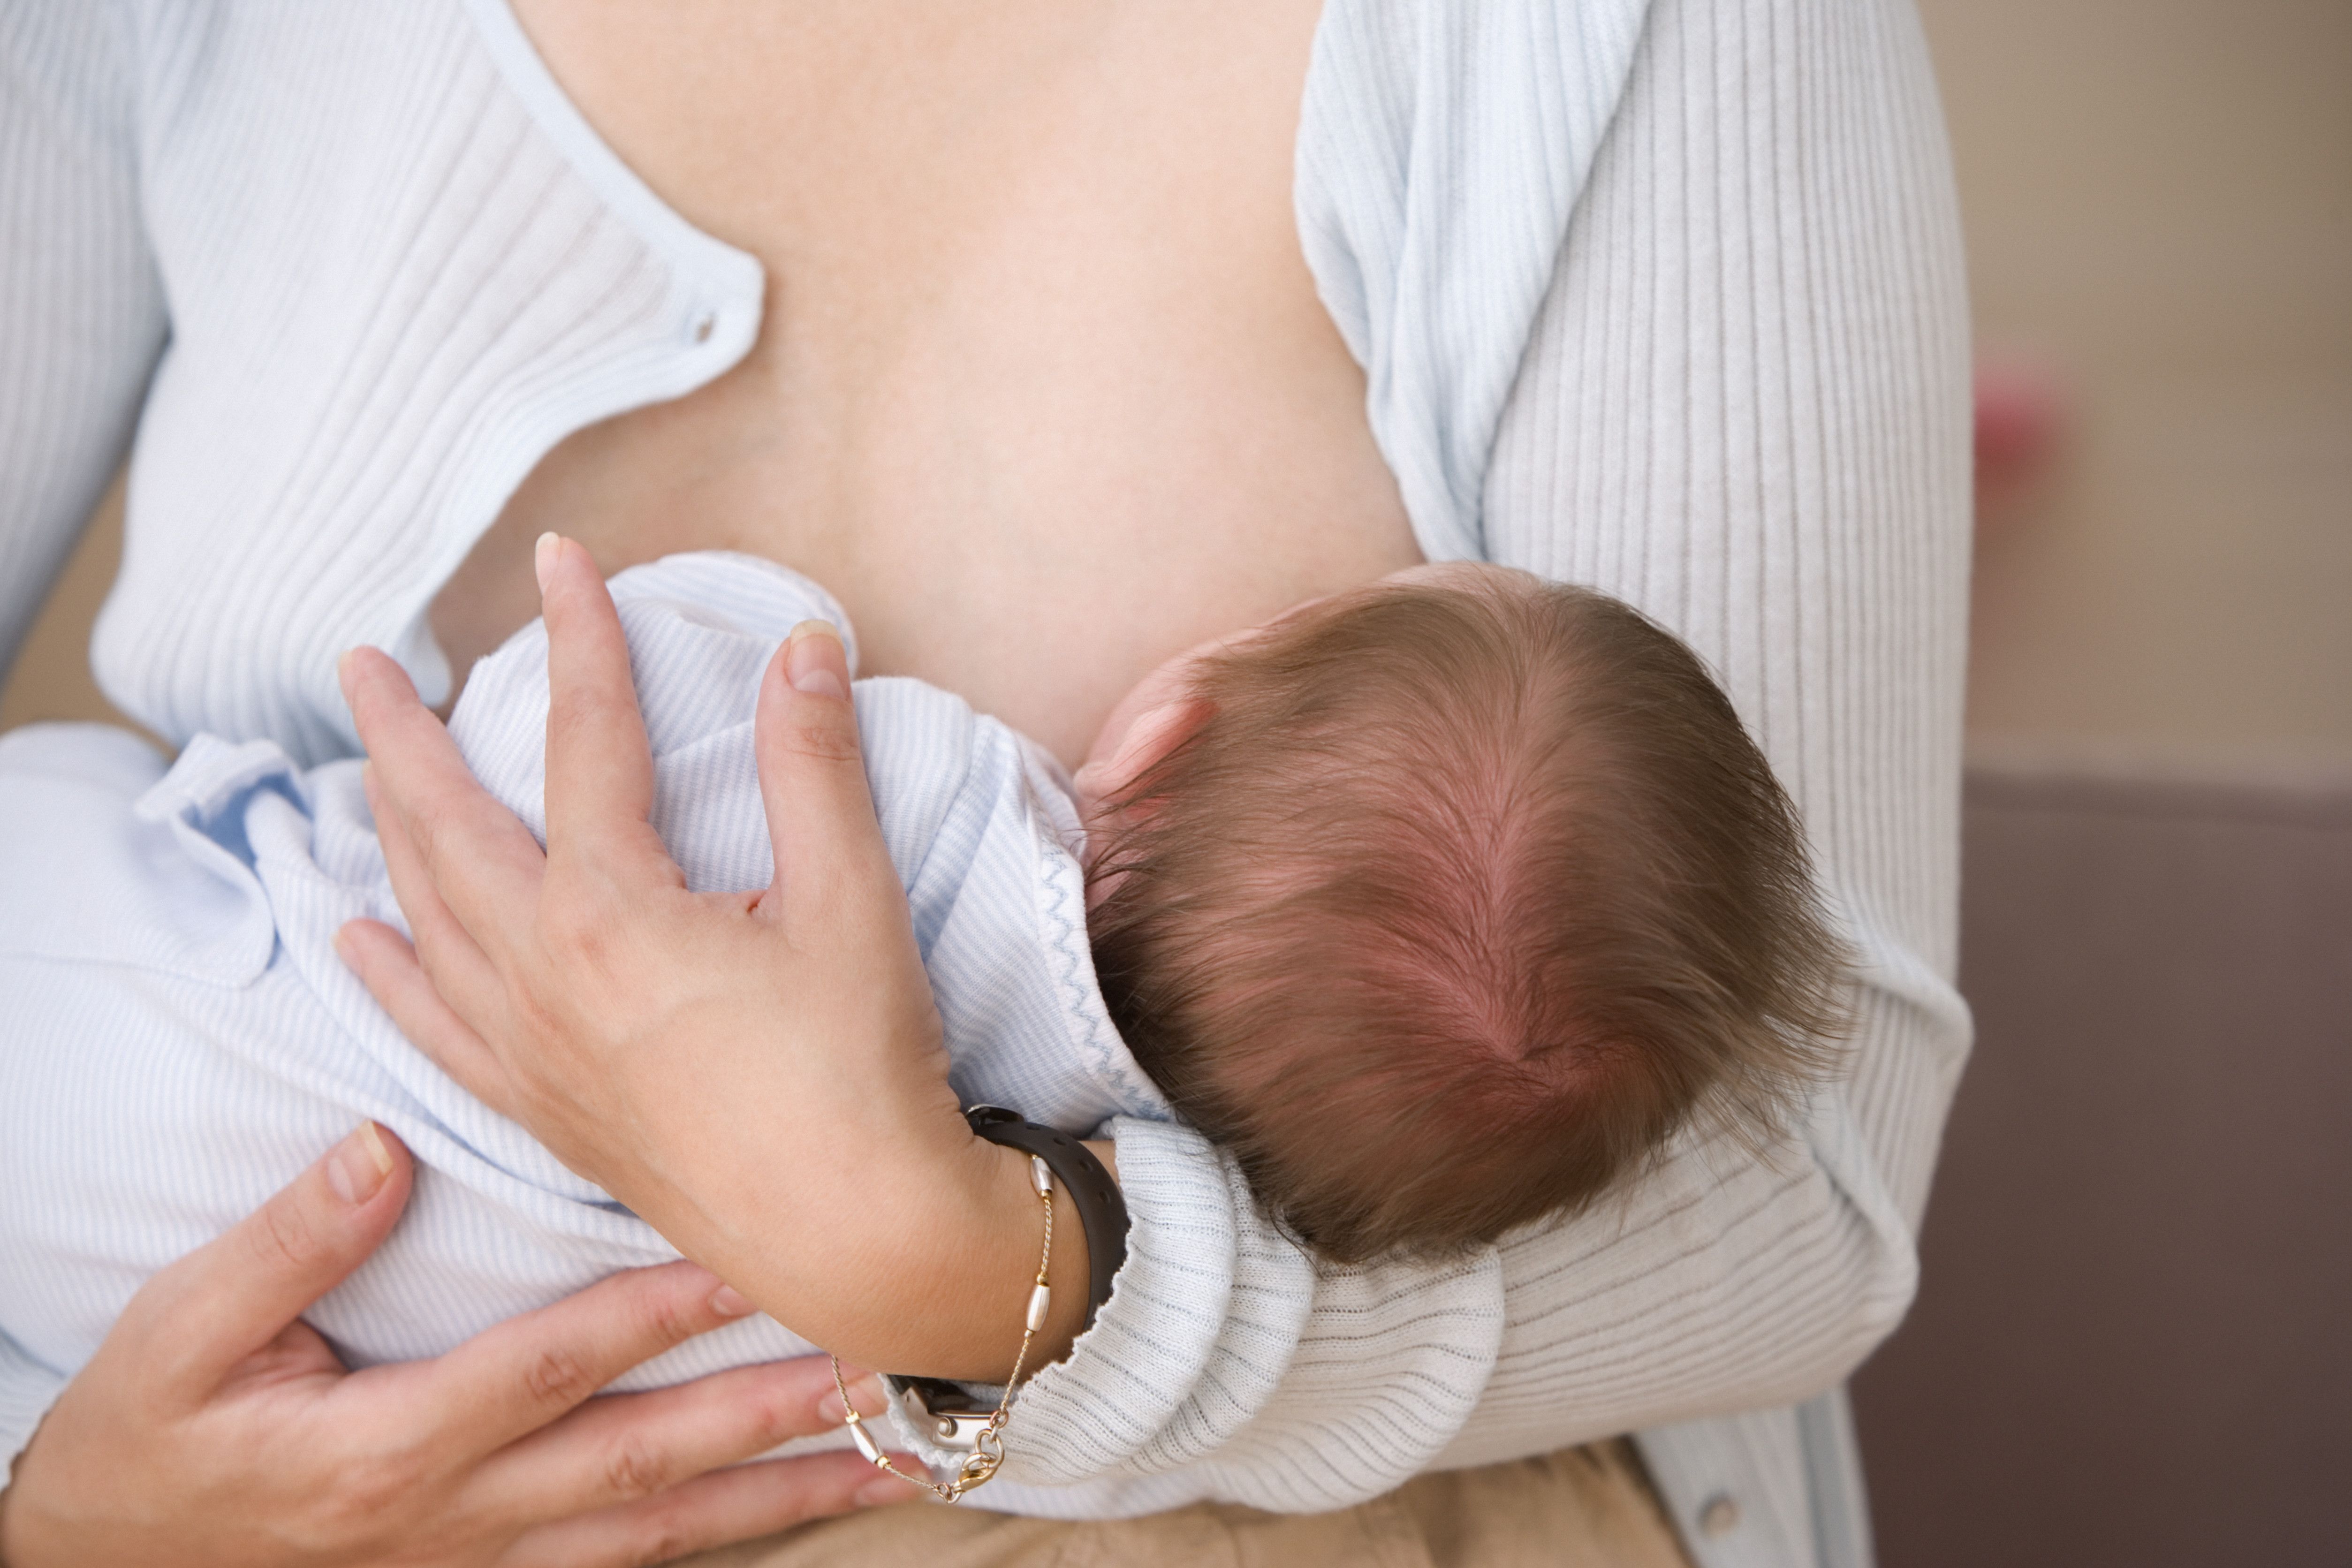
<point x="1066" y="938"/>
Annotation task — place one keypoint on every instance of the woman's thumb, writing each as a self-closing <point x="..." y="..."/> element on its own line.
<point x="813" y="775"/>
<point x="236" y="1294"/>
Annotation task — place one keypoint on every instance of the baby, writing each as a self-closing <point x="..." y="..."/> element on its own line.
<point x="1443" y="904"/>
<point x="1440" y="903"/>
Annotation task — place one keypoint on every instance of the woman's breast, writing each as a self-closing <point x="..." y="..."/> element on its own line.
<point x="1043" y="390"/>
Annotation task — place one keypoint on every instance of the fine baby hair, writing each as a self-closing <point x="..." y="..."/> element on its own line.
<point x="1463" y="895"/>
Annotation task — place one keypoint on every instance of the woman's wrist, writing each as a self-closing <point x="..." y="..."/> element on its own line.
<point x="961" y="1305"/>
<point x="984" y="1269"/>
<point x="931" y="1267"/>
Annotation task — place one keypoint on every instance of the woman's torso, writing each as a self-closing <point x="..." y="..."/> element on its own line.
<point x="996" y="321"/>
<point x="1043" y="390"/>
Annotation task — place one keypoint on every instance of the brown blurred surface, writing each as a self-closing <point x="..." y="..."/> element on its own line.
<point x="2130" y="1342"/>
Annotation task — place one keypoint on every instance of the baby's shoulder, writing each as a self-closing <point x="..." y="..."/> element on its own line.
<point x="936" y="766"/>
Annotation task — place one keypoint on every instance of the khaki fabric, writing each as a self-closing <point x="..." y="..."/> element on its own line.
<point x="1580" y="1508"/>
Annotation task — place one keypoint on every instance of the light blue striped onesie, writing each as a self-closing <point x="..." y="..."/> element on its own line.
<point x="183" y="1038"/>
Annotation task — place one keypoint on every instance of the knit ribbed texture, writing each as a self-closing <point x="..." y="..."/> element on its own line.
<point x="1440" y="149"/>
<point x="82" y="310"/>
<point x="399" y="270"/>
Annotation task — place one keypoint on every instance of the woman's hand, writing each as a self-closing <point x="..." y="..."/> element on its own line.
<point x="758" y="1075"/>
<point x="214" y="1426"/>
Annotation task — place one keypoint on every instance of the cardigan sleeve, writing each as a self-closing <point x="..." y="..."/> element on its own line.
<point x="82" y="308"/>
<point x="1742" y="408"/>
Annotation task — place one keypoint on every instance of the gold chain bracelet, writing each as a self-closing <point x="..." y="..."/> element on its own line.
<point x="988" y="1444"/>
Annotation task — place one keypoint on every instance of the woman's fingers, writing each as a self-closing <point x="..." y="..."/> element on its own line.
<point x="196" y="1318"/>
<point x="813" y="779"/>
<point x="600" y="773"/>
<point x="716" y="1510"/>
<point x="625" y="1447"/>
<point x="387" y="965"/>
<point x="519" y="1375"/>
<point x="483" y="862"/>
<point x="448" y="950"/>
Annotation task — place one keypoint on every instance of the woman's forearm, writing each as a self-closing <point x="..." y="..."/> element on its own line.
<point x="1719" y="1283"/>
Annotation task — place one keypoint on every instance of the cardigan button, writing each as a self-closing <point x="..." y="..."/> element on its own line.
<point x="1719" y="1515"/>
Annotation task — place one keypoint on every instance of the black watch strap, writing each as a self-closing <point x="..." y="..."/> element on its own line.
<point x="1102" y="1212"/>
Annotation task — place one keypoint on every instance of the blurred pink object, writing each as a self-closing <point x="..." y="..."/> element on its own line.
<point x="2022" y="411"/>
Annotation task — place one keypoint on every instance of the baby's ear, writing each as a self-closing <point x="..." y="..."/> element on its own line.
<point x="1154" y="733"/>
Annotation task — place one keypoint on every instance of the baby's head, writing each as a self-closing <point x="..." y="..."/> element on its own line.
<point x="1445" y="901"/>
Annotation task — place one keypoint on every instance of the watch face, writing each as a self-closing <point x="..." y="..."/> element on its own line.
<point x="937" y="1396"/>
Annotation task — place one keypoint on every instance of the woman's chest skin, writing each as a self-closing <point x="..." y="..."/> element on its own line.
<point x="1043" y="391"/>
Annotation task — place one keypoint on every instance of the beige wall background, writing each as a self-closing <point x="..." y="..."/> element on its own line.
<point x="2158" y="201"/>
<point x="2158" y="198"/>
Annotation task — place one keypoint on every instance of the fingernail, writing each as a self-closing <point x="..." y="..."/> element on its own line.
<point x="359" y="1165"/>
<point x="867" y="1393"/>
<point x="730" y="1303"/>
<point x="819" y="682"/>
<point x="811" y="668"/>
<point x="542" y="557"/>
<point x="887" y="1490"/>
